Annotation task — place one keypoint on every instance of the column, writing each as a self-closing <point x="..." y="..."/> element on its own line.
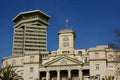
<point x="58" y="74"/>
<point x="80" y="74"/>
<point x="47" y="75"/>
<point x="69" y="74"/>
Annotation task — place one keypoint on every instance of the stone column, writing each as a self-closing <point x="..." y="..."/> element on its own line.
<point x="58" y="74"/>
<point x="80" y="74"/>
<point x="69" y="74"/>
<point x="47" y="75"/>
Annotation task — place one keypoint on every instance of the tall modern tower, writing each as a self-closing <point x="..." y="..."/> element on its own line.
<point x="30" y="32"/>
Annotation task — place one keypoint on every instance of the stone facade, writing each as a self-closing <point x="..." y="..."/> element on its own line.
<point x="65" y="63"/>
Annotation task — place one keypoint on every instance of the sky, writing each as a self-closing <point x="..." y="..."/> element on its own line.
<point x="94" y="21"/>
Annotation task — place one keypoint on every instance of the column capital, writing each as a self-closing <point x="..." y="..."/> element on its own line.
<point x="80" y="69"/>
<point x="58" y="70"/>
<point x="69" y="70"/>
<point x="48" y="71"/>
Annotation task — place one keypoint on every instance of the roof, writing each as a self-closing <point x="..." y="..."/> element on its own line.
<point x="33" y="11"/>
<point x="66" y="31"/>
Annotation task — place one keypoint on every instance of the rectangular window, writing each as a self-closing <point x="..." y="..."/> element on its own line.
<point x="31" y="78"/>
<point x="22" y="61"/>
<point x="110" y="68"/>
<point x="13" y="62"/>
<point x="96" y="55"/>
<point x="66" y="44"/>
<point x="80" y="52"/>
<point x="97" y="66"/>
<point x="65" y="52"/>
<point x="98" y="77"/>
<point x="84" y="59"/>
<point x="31" y="69"/>
<point x="31" y="58"/>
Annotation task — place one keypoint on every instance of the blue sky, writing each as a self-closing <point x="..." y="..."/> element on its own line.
<point x="93" y="21"/>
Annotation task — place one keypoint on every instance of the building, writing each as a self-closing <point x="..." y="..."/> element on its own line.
<point x="62" y="64"/>
<point x="30" y="32"/>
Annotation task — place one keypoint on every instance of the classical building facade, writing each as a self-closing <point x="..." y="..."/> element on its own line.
<point x="65" y="63"/>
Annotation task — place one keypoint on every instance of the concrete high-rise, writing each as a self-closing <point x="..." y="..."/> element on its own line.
<point x="30" y="32"/>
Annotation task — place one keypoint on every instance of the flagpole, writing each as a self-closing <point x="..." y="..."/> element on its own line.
<point x="67" y="23"/>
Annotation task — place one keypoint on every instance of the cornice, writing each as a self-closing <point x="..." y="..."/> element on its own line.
<point x="9" y="57"/>
<point x="63" y="65"/>
<point x="97" y="59"/>
<point x="31" y="62"/>
<point x="18" y="66"/>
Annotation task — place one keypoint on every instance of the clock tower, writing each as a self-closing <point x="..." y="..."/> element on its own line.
<point x="66" y="40"/>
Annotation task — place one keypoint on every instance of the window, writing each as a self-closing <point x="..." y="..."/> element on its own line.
<point x="44" y="55"/>
<point x="65" y="41"/>
<point x="21" y="73"/>
<point x="31" y="78"/>
<point x="110" y="56"/>
<point x="80" y="52"/>
<point x="84" y="59"/>
<point x="65" y="52"/>
<point x="98" y="77"/>
<point x="65" y="38"/>
<point x="31" y="58"/>
<point x="96" y="55"/>
<point x="97" y="66"/>
<point x="31" y="69"/>
<point x="13" y="62"/>
<point x="110" y="68"/>
<point x="22" y="61"/>
<point x="66" y="44"/>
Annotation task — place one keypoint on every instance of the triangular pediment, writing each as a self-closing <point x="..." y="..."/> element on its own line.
<point x="63" y="60"/>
